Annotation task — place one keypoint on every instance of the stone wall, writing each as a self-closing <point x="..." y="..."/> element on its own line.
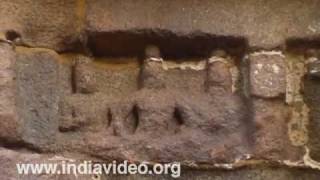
<point x="230" y="89"/>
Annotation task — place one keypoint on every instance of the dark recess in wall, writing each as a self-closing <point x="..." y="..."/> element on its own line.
<point x="305" y="46"/>
<point x="172" y="45"/>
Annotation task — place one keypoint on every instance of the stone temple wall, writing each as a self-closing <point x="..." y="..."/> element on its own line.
<point x="230" y="89"/>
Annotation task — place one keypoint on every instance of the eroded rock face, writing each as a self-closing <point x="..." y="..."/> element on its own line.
<point x="166" y="119"/>
<point x="162" y="119"/>
<point x="9" y="123"/>
<point x="247" y="19"/>
<point x="37" y="97"/>
<point x="267" y="74"/>
<point x="159" y="123"/>
<point x="312" y="99"/>
<point x="50" y="24"/>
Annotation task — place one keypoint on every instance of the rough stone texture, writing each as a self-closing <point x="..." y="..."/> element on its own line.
<point x="153" y="74"/>
<point x="267" y="74"/>
<point x="312" y="87"/>
<point x="84" y="77"/>
<point x="194" y="117"/>
<point x="29" y="105"/>
<point x="156" y="125"/>
<point x="272" y="140"/>
<point x="285" y="19"/>
<point x="219" y="77"/>
<point x="115" y="76"/>
<point x="9" y="130"/>
<point x="66" y="70"/>
<point x="51" y="24"/>
<point x="156" y="122"/>
<point x="37" y="95"/>
<point x="58" y="24"/>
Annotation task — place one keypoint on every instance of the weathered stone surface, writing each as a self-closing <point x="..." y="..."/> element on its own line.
<point x="312" y="89"/>
<point x="271" y="131"/>
<point x="37" y="95"/>
<point x="51" y="24"/>
<point x="181" y="122"/>
<point x="152" y="75"/>
<point x="79" y="112"/>
<point x="9" y="123"/>
<point x="158" y="125"/>
<point x="286" y="18"/>
<point x="84" y="77"/>
<point x="58" y="24"/>
<point x="115" y="76"/>
<point x="219" y="77"/>
<point x="65" y="69"/>
<point x="267" y="74"/>
<point x="69" y="120"/>
<point x="188" y="76"/>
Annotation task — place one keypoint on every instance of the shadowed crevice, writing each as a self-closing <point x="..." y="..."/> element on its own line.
<point x="172" y="45"/>
<point x="302" y="45"/>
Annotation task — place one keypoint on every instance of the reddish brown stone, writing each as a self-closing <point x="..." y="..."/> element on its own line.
<point x="152" y="75"/>
<point x="271" y="131"/>
<point x="267" y="74"/>
<point x="219" y="77"/>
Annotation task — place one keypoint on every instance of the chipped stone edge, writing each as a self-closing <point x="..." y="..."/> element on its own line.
<point x="166" y="65"/>
<point x="308" y="161"/>
<point x="273" y="52"/>
<point x="197" y="66"/>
